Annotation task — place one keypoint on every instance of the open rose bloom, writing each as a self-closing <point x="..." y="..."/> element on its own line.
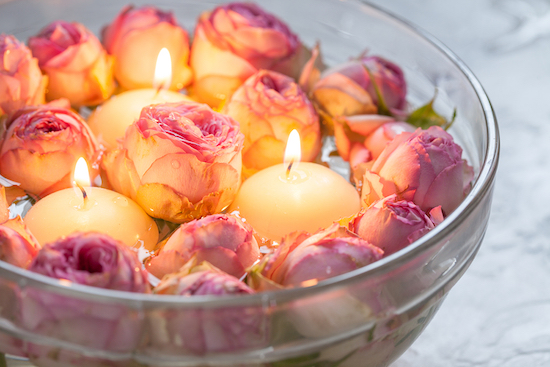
<point x="21" y="82"/>
<point x="77" y="66"/>
<point x="47" y="141"/>
<point x="135" y="38"/>
<point x="268" y="106"/>
<point x="235" y="40"/>
<point x="178" y="161"/>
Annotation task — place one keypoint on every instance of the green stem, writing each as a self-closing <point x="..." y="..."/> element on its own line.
<point x="3" y="360"/>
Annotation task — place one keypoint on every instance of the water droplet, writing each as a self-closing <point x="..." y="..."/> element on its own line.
<point x="176" y="164"/>
<point x="329" y="270"/>
<point x="122" y="201"/>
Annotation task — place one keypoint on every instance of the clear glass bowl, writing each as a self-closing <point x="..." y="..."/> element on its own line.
<point x="364" y="318"/>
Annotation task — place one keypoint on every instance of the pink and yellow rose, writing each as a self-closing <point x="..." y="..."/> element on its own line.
<point x="235" y="40"/>
<point x="391" y="224"/>
<point x="77" y="66"/>
<point x="47" y="141"/>
<point x="17" y="244"/>
<point x="268" y="106"/>
<point x="325" y="254"/>
<point x="135" y="38"/>
<point x="425" y="167"/>
<point x="221" y="239"/>
<point x="21" y="82"/>
<point x="178" y="161"/>
<point x="367" y="85"/>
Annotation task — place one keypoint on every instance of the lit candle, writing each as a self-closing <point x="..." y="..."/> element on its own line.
<point x="110" y="120"/>
<point x="86" y="209"/>
<point x="294" y="196"/>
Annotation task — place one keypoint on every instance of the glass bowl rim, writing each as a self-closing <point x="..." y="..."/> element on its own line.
<point x="482" y="185"/>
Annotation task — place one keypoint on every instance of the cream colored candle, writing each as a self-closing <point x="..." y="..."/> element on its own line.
<point x="67" y="211"/>
<point x="110" y="120"/>
<point x="308" y="196"/>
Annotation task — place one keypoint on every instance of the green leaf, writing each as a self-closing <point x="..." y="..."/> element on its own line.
<point x="382" y="106"/>
<point x="425" y="116"/>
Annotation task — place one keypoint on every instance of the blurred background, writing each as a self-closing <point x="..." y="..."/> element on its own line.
<point x="498" y="314"/>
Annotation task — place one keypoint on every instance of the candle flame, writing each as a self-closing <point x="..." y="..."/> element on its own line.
<point x="81" y="177"/>
<point x="163" y="70"/>
<point x="293" y="150"/>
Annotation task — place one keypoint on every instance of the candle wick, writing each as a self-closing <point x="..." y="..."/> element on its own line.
<point x="84" y="193"/>
<point x="289" y="168"/>
<point x="158" y="90"/>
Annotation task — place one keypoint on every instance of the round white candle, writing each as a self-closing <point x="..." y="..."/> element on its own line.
<point x="110" y="120"/>
<point x="64" y="212"/>
<point x="91" y="209"/>
<point x="310" y="198"/>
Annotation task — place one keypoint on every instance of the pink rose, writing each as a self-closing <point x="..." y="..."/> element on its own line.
<point x="425" y="167"/>
<point x="17" y="245"/>
<point x="77" y="66"/>
<point x="323" y="255"/>
<point x="268" y="106"/>
<point x="21" y="82"/>
<point x="47" y="141"/>
<point x="235" y="40"/>
<point x="179" y="161"/>
<point x="92" y="259"/>
<point x="135" y="38"/>
<point x="221" y="329"/>
<point x="391" y="224"/>
<point x="221" y="239"/>
<point x="368" y="85"/>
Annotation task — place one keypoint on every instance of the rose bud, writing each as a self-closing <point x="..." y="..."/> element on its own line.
<point x="391" y="224"/>
<point x="17" y="245"/>
<point x="207" y="330"/>
<point x="179" y="161"/>
<point x="47" y="141"/>
<point x="235" y="40"/>
<point x="77" y="66"/>
<point x="268" y="106"/>
<point x="221" y="239"/>
<point x="425" y="167"/>
<point x="21" y="82"/>
<point x="93" y="259"/>
<point x="368" y="85"/>
<point x="135" y="38"/>
<point x="326" y="254"/>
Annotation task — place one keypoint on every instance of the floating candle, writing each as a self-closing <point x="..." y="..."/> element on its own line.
<point x="110" y="120"/>
<point x="294" y="196"/>
<point x="91" y="209"/>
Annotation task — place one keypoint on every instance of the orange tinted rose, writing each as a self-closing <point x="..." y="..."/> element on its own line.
<point x="178" y="161"/>
<point x="235" y="40"/>
<point x="41" y="146"/>
<point x="21" y="82"/>
<point x="135" y="39"/>
<point x="77" y="66"/>
<point x="268" y="106"/>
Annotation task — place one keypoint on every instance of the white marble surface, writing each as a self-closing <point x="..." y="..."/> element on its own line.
<point x="498" y="314"/>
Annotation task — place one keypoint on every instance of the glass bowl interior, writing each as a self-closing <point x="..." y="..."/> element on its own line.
<point x="373" y="313"/>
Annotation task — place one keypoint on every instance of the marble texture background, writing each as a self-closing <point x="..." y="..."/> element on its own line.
<point x="498" y="314"/>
